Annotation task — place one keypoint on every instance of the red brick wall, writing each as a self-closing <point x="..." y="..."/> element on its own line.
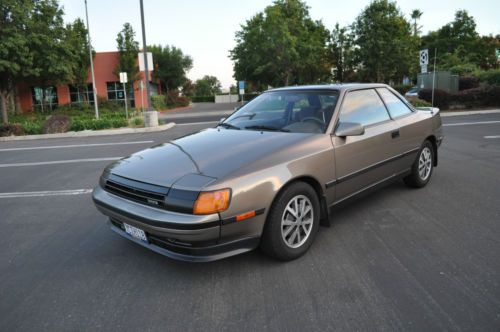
<point x="104" y="65"/>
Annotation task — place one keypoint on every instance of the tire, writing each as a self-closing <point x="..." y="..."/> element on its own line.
<point x="422" y="168"/>
<point x="282" y="237"/>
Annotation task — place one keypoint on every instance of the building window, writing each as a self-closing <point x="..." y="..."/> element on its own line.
<point x="116" y="92"/>
<point x="44" y="98"/>
<point x="81" y="94"/>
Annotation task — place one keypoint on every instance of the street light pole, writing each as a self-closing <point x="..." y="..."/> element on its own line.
<point x="144" y="52"/>
<point x="91" y="64"/>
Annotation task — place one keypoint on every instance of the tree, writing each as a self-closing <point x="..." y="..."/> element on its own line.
<point x="77" y="41"/>
<point x="281" y="46"/>
<point x="415" y="16"/>
<point x="458" y="43"/>
<point x="33" y="46"/>
<point x="171" y="66"/>
<point x="342" y="50"/>
<point x="188" y="88"/>
<point x="128" y="48"/>
<point x="385" y="46"/>
<point x="207" y="86"/>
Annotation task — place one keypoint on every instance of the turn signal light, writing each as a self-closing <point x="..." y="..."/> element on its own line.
<point x="209" y="202"/>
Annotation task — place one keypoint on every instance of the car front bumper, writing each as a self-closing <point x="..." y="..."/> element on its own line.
<point x="180" y="236"/>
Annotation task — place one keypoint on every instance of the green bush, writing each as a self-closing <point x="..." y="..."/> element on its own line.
<point x="203" y="99"/>
<point x="418" y="102"/>
<point x="402" y="88"/>
<point x="32" y="128"/>
<point x="159" y="102"/>
<point x="112" y="105"/>
<point x="491" y="77"/>
<point x="79" y="124"/>
<point x="137" y="122"/>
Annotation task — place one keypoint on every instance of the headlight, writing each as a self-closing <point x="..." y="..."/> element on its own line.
<point x="209" y="202"/>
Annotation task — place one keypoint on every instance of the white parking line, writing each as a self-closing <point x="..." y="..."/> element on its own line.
<point x="46" y="193"/>
<point x="70" y="161"/>
<point x="469" y="123"/>
<point x="74" y="146"/>
<point x="498" y="136"/>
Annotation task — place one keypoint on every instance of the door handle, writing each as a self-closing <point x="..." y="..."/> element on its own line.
<point x="395" y="134"/>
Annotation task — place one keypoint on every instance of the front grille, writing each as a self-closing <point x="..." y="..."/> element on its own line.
<point x="137" y="191"/>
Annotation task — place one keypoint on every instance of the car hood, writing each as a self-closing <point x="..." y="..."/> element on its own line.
<point x="211" y="153"/>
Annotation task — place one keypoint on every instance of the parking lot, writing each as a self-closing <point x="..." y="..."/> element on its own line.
<point x="399" y="259"/>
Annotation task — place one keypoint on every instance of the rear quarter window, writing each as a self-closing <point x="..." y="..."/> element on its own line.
<point x="395" y="106"/>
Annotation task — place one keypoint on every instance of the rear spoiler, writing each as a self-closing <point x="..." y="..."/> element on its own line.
<point x="432" y="110"/>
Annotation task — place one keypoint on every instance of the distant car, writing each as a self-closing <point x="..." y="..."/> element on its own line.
<point x="413" y="92"/>
<point x="269" y="174"/>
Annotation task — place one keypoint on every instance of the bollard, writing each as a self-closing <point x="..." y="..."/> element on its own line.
<point x="151" y="119"/>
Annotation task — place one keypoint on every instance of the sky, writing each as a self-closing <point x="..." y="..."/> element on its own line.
<point x="205" y="29"/>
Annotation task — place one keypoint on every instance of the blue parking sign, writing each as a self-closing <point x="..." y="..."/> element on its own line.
<point x="241" y="85"/>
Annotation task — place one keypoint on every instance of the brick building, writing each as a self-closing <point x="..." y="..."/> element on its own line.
<point x="108" y="87"/>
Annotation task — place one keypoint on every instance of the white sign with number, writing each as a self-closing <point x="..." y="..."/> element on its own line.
<point x="123" y="77"/>
<point x="424" y="57"/>
<point x="424" y="69"/>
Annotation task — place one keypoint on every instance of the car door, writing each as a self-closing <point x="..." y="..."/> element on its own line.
<point x="409" y="135"/>
<point x="363" y="160"/>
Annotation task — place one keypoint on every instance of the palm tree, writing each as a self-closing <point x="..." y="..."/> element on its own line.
<point x="415" y="15"/>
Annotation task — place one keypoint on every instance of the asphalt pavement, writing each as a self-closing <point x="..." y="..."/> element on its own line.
<point x="398" y="259"/>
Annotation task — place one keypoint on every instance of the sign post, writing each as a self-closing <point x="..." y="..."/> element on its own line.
<point x="123" y="80"/>
<point x="241" y="87"/>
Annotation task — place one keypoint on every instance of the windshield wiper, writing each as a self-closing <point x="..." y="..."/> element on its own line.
<point x="228" y="126"/>
<point x="270" y="128"/>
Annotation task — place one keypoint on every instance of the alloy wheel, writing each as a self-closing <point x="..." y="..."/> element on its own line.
<point x="297" y="221"/>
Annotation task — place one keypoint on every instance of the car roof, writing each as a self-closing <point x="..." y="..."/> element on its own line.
<point x="338" y="86"/>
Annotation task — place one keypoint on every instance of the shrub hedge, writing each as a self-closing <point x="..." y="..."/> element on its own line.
<point x="203" y="99"/>
<point x="418" y="102"/>
<point x="484" y="96"/>
<point x="441" y="97"/>
<point x="467" y="82"/>
<point x="491" y="77"/>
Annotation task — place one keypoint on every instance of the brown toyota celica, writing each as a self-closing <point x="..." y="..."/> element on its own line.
<point x="269" y="174"/>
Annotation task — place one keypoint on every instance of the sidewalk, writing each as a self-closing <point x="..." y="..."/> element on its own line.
<point x="89" y="133"/>
<point x="458" y="113"/>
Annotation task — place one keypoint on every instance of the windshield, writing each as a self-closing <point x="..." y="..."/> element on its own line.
<point x="297" y="111"/>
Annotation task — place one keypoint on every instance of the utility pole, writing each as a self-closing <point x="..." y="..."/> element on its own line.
<point x="434" y="76"/>
<point x="92" y="63"/>
<point x="144" y="52"/>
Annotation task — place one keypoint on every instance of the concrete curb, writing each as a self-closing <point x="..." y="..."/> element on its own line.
<point x="90" y="133"/>
<point x="194" y="114"/>
<point x="445" y="113"/>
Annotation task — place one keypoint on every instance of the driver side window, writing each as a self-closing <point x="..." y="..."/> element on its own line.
<point x="364" y="107"/>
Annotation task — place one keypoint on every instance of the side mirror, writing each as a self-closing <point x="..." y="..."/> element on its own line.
<point x="222" y="120"/>
<point x="349" y="129"/>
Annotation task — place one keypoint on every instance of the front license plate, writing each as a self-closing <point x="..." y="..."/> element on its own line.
<point x="135" y="232"/>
